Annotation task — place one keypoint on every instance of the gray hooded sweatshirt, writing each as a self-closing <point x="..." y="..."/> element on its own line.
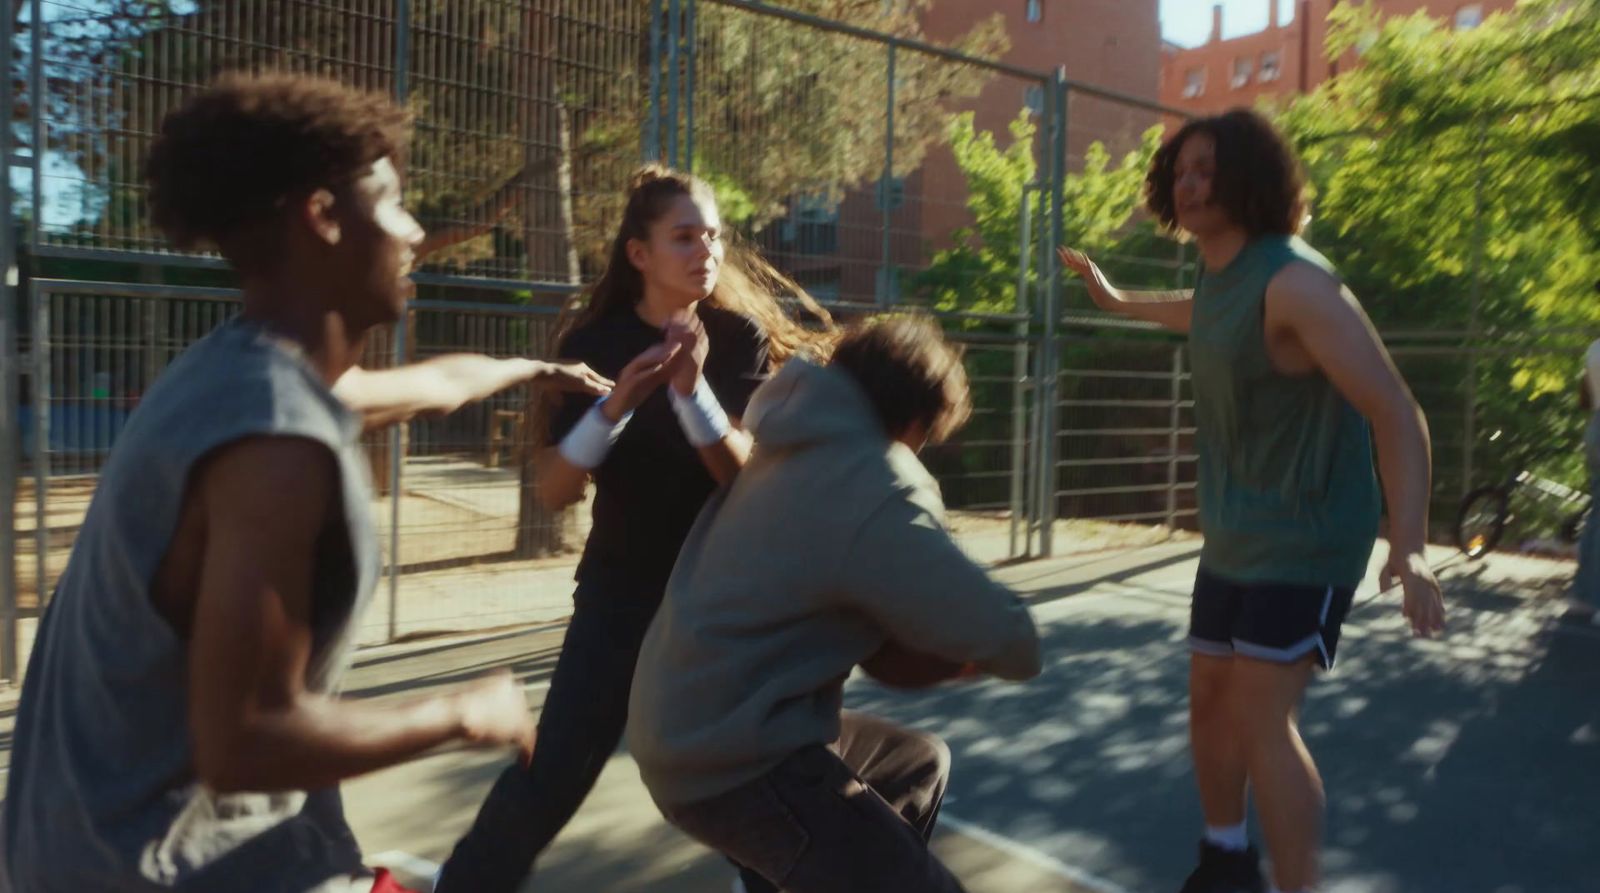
<point x="830" y="543"/>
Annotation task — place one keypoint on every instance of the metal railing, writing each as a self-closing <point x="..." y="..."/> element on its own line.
<point x="454" y="494"/>
<point x="529" y="115"/>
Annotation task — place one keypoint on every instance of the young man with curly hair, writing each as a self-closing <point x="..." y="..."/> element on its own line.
<point x="1292" y="390"/>
<point x="179" y="726"/>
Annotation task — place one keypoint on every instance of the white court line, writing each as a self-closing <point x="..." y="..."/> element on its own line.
<point x="403" y="861"/>
<point x="1029" y="854"/>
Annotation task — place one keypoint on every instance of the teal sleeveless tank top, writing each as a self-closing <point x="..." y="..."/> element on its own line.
<point x="1287" y="488"/>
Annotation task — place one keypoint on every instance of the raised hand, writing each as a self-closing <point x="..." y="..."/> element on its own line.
<point x="685" y="330"/>
<point x="639" y="379"/>
<point x="1100" y="290"/>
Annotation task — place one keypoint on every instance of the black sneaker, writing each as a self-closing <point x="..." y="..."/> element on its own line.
<point x="1225" y="871"/>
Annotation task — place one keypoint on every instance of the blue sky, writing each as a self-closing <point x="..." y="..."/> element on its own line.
<point x="1188" y="22"/>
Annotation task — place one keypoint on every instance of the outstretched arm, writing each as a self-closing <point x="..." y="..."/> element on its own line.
<point x="1168" y="309"/>
<point x="443" y="384"/>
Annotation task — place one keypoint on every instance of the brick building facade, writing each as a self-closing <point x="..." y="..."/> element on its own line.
<point x="1285" y="59"/>
<point x="837" y="251"/>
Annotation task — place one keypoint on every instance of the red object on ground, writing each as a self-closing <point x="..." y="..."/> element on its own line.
<point x="385" y="883"/>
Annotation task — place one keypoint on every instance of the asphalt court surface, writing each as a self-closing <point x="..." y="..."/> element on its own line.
<point x="1467" y="764"/>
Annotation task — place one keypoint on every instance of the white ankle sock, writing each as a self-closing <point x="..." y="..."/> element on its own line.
<point x="1228" y="837"/>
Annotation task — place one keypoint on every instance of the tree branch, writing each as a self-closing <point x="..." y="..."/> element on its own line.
<point x="488" y="213"/>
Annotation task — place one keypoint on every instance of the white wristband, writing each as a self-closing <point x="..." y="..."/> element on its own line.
<point x="700" y="415"/>
<point x="587" y="444"/>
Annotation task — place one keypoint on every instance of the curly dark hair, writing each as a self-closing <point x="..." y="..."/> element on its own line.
<point x="1258" y="181"/>
<point x="229" y="157"/>
<point x="910" y="373"/>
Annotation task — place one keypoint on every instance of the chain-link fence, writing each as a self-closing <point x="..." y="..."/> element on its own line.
<point x="876" y="170"/>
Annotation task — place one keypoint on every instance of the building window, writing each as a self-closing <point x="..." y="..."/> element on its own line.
<point x="1194" y="83"/>
<point x="1271" y="66"/>
<point x="813" y="225"/>
<point x="1035" y="10"/>
<point x="1469" y="16"/>
<point x="1033" y="100"/>
<point x="1241" y="71"/>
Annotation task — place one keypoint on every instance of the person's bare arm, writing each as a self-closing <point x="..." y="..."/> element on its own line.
<point x="724" y="457"/>
<point x="254" y="724"/>
<point x="1329" y="324"/>
<point x="443" y="384"/>
<point x="560" y="482"/>
<point x="1170" y="309"/>
<point x="727" y="456"/>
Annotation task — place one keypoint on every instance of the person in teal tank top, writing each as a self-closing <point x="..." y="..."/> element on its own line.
<point x="1293" y="390"/>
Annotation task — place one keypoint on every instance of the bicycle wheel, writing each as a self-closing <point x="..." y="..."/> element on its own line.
<point x="1481" y="521"/>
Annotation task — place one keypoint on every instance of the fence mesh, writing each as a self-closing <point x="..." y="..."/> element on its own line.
<point x="876" y="173"/>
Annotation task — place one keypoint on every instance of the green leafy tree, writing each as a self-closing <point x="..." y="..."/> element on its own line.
<point x="529" y="113"/>
<point x="1456" y="191"/>
<point x="980" y="271"/>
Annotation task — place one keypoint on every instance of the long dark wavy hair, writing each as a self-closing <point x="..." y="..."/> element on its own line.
<point x="746" y="283"/>
<point x="1258" y="182"/>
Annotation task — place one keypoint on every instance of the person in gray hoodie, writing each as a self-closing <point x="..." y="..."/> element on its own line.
<point x="828" y="551"/>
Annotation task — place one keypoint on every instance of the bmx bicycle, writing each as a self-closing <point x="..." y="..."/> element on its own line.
<point x="1486" y="512"/>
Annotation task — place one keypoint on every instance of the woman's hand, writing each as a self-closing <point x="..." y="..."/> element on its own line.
<point x="686" y="332"/>
<point x="639" y="379"/>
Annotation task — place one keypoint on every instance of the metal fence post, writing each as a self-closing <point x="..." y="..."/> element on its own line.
<point x="885" y="286"/>
<point x="40" y="349"/>
<point x="690" y="54"/>
<point x="402" y="63"/>
<point x="1019" y="381"/>
<point x="1048" y="383"/>
<point x="10" y="446"/>
<point x="10" y="378"/>
<point x="1470" y="417"/>
<point x="396" y="460"/>
<point x="402" y="50"/>
<point x="674" y="29"/>
<point x="1172" y="438"/>
<point x="651" y="144"/>
<point x="37" y="120"/>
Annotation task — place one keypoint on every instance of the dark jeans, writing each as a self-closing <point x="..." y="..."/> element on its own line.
<point x="579" y="727"/>
<point x="851" y="818"/>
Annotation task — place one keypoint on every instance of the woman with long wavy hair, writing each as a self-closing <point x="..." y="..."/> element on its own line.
<point x="674" y="307"/>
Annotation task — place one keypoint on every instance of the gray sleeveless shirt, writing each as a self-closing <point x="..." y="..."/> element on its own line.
<point x="102" y="793"/>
